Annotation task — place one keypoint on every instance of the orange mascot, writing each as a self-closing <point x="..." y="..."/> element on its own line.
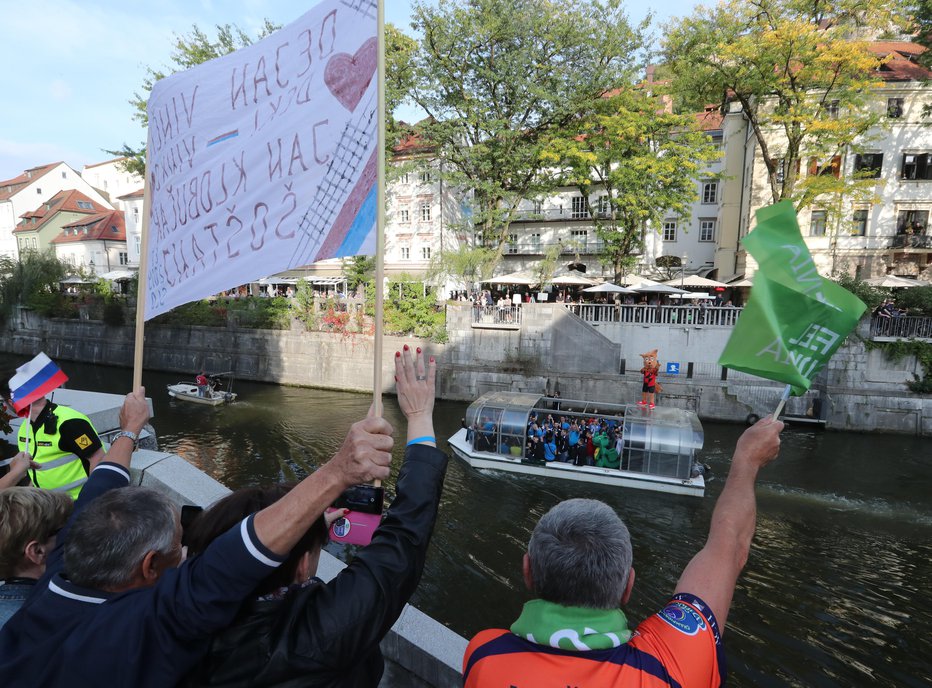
<point x="649" y="371"/>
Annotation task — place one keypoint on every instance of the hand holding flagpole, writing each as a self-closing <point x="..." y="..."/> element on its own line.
<point x="783" y="398"/>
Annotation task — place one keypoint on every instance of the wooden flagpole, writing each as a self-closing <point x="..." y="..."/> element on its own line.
<point x="379" y="220"/>
<point x="143" y="278"/>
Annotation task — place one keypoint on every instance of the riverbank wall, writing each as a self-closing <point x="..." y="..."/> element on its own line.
<point x="419" y="651"/>
<point x="546" y="350"/>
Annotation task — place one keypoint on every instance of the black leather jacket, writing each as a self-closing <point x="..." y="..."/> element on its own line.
<point x="328" y="634"/>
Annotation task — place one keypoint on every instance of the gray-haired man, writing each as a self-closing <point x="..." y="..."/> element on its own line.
<point x="579" y="566"/>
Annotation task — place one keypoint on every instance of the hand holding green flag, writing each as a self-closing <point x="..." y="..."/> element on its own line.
<point x="796" y="319"/>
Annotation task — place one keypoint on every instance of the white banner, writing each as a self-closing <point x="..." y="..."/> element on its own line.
<point x="264" y="159"/>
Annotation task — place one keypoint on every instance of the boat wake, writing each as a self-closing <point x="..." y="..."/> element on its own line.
<point x="900" y="512"/>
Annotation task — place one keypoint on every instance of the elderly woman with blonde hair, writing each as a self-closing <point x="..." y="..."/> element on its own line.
<point x="30" y="519"/>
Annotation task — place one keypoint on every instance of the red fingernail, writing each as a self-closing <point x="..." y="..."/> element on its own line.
<point x="431" y="359"/>
<point x="406" y="347"/>
<point x="397" y="354"/>
<point x="419" y="349"/>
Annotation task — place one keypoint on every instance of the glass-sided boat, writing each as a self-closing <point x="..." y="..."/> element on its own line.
<point x="657" y="450"/>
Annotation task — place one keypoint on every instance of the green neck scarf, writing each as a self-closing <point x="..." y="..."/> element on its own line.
<point x="571" y="628"/>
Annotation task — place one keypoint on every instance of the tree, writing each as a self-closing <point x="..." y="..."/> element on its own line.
<point x="921" y="13"/>
<point x="358" y="270"/>
<point x="802" y="73"/>
<point x="29" y="280"/>
<point x="497" y="76"/>
<point x="641" y="160"/>
<point x="464" y="266"/>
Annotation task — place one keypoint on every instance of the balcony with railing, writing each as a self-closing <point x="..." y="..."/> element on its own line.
<point x="559" y="215"/>
<point x="528" y="247"/>
<point x="901" y="327"/>
<point x="911" y="241"/>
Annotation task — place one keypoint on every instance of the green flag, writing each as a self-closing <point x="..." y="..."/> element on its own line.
<point x="796" y="319"/>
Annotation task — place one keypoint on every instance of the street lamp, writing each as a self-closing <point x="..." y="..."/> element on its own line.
<point x="683" y="269"/>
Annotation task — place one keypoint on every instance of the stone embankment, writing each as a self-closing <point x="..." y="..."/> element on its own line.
<point x="546" y="349"/>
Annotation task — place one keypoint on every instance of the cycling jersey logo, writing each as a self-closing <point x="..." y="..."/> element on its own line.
<point x="83" y="442"/>
<point x="683" y="618"/>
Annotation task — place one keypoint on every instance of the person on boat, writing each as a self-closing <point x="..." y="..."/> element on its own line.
<point x="30" y="519"/>
<point x="550" y="446"/>
<point x="62" y="442"/>
<point x="203" y="384"/>
<point x="296" y="628"/>
<point x="563" y="445"/>
<point x="579" y="568"/>
<point x="116" y="605"/>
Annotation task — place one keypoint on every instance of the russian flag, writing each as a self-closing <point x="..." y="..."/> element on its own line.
<point x="33" y="380"/>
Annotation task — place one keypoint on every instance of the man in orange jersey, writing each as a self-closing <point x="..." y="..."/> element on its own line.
<point x="578" y="565"/>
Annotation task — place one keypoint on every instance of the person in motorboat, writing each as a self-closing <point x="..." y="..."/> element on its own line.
<point x="579" y="567"/>
<point x="203" y="384"/>
<point x="297" y="630"/>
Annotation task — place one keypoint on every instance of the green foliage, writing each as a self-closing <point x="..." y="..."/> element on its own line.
<point x="497" y="76"/>
<point x="898" y="349"/>
<point x="303" y="307"/>
<point x="358" y="270"/>
<point x="641" y="160"/>
<point x="113" y="314"/>
<point x="54" y="305"/>
<point x="801" y="75"/>
<point x="917" y="300"/>
<point x="870" y="295"/>
<point x="920" y="12"/>
<point x="408" y="310"/>
<point x="204" y="313"/>
<point x="465" y="266"/>
<point x="29" y="281"/>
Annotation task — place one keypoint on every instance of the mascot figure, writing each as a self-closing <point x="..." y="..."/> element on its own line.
<point x="649" y="371"/>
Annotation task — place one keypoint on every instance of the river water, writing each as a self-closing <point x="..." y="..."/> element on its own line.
<point x="837" y="591"/>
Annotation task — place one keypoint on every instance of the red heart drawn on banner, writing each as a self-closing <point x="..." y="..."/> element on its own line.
<point x="348" y="76"/>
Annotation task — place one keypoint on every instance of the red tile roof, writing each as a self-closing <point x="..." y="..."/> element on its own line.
<point x="63" y="201"/>
<point x="138" y="193"/>
<point x="12" y="186"/>
<point x="709" y="119"/>
<point x="900" y="64"/>
<point x="103" y="226"/>
<point x="105" y="162"/>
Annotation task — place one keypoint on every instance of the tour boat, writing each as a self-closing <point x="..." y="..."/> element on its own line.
<point x="658" y="450"/>
<point x="188" y="391"/>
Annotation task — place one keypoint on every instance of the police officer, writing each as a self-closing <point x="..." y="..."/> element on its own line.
<point x="61" y="441"/>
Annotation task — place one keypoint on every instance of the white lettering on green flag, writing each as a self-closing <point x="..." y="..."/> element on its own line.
<point x="796" y="319"/>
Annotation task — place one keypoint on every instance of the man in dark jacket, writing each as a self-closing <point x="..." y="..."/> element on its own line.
<point x="327" y="634"/>
<point x="114" y="607"/>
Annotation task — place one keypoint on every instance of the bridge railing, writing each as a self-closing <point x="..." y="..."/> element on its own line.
<point x="901" y="327"/>
<point x="597" y="313"/>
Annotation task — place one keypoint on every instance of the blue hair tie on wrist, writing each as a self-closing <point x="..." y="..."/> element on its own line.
<point x="425" y="438"/>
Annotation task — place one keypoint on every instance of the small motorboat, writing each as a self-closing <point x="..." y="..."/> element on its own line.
<point x="658" y="446"/>
<point x="209" y="394"/>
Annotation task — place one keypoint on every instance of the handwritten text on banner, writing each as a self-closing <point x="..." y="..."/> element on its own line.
<point x="265" y="159"/>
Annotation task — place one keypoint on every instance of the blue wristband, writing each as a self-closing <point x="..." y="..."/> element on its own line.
<point x="425" y="438"/>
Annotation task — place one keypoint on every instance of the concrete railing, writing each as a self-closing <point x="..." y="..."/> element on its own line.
<point x="714" y="316"/>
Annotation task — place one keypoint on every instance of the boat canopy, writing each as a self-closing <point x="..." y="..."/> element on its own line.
<point x="661" y="441"/>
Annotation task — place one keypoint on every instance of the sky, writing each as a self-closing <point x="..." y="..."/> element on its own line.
<point x="72" y="66"/>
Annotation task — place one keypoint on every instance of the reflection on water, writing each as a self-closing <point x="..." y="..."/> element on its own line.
<point x="836" y="591"/>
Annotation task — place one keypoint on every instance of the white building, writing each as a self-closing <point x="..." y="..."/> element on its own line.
<point x="96" y="242"/>
<point x="131" y="204"/>
<point x="32" y="188"/>
<point x="112" y="180"/>
<point x="889" y="234"/>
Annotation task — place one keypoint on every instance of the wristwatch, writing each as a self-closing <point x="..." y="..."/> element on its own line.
<point x="126" y="433"/>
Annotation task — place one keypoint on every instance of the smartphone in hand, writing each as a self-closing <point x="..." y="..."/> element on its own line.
<point x="365" y="503"/>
